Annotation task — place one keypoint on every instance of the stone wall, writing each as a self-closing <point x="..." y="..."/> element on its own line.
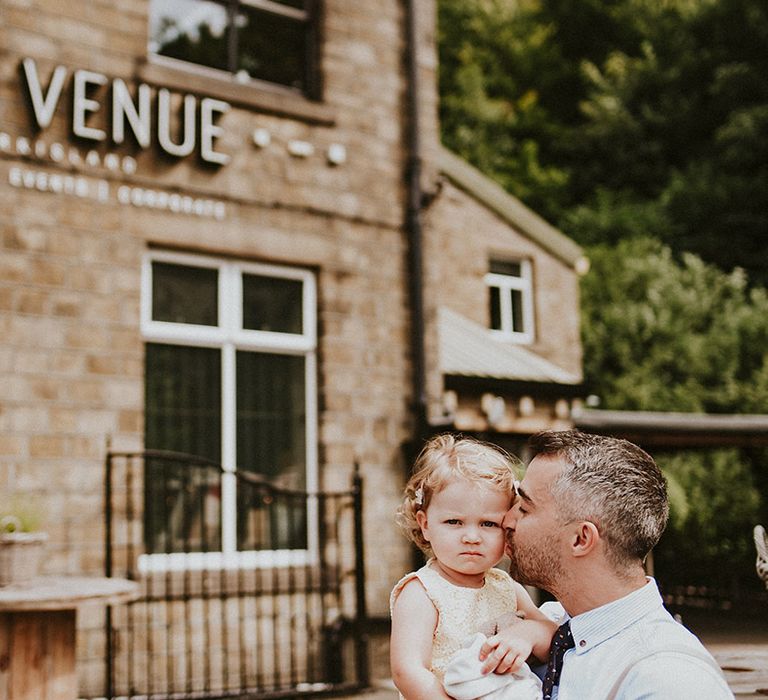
<point x="461" y="237"/>
<point x="71" y="351"/>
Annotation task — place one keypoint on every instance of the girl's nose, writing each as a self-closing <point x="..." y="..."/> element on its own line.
<point x="471" y="535"/>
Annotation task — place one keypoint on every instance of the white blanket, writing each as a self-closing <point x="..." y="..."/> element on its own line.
<point x="464" y="679"/>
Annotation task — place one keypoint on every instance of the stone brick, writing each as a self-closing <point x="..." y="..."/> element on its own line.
<point x="11" y="445"/>
<point x="31" y="301"/>
<point x="46" y="446"/>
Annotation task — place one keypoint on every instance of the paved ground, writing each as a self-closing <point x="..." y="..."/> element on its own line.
<point x="740" y="647"/>
<point x="745" y="667"/>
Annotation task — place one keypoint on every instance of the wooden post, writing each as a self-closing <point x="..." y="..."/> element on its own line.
<point x="37" y="655"/>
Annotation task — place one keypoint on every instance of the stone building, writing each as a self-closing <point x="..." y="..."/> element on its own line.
<point x="229" y="229"/>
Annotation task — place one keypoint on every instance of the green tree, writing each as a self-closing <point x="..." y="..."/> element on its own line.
<point x="659" y="107"/>
<point x="709" y="541"/>
<point x="677" y="336"/>
<point x="640" y="128"/>
<point x="682" y="125"/>
<point x="662" y="334"/>
<point x="490" y="104"/>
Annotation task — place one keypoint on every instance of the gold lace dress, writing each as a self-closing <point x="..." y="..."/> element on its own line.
<point x="461" y="612"/>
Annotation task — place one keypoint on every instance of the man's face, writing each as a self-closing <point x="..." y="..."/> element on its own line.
<point x="535" y="539"/>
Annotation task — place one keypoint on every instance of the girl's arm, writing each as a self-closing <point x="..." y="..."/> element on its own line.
<point x="510" y="647"/>
<point x="414" y="619"/>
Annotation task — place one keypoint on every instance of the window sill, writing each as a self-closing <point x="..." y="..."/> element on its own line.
<point x="216" y="561"/>
<point x="514" y="338"/>
<point x="261" y="97"/>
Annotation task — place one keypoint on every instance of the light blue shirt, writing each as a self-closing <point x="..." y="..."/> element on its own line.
<point x="608" y="640"/>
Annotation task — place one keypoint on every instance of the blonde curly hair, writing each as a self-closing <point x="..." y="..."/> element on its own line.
<point x="446" y="458"/>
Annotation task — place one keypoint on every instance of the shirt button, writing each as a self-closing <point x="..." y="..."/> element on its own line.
<point x="583" y="643"/>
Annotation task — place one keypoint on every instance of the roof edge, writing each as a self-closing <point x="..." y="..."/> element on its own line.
<point x="672" y="421"/>
<point x="511" y="209"/>
<point x="464" y="382"/>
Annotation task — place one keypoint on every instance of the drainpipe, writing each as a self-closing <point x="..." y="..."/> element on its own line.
<point x="414" y="229"/>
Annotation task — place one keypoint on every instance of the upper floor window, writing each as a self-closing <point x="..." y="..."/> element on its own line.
<point x="269" y="40"/>
<point x="510" y="294"/>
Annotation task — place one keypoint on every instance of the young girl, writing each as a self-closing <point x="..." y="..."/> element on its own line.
<point x="453" y="507"/>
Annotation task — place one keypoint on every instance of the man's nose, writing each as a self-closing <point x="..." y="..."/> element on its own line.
<point x="510" y="519"/>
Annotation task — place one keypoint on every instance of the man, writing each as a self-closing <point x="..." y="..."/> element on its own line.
<point x="590" y="508"/>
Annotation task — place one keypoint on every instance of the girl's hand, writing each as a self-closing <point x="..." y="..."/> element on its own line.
<point x="506" y="651"/>
<point x="511" y="646"/>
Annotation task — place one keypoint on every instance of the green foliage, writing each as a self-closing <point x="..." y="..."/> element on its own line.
<point x="640" y="128"/>
<point x="708" y="539"/>
<point x="678" y="336"/>
<point x="659" y="106"/>
<point x="681" y="335"/>
<point x="490" y="106"/>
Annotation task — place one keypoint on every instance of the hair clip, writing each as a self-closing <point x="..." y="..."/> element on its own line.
<point x="418" y="496"/>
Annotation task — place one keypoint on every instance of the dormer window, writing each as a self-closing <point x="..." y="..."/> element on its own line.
<point x="510" y="295"/>
<point x="273" y="41"/>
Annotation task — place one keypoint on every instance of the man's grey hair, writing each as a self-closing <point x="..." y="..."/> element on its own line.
<point x="612" y="483"/>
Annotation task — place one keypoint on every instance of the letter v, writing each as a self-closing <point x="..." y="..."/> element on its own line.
<point x="44" y="107"/>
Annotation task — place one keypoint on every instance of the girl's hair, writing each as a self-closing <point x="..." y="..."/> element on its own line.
<point x="444" y="459"/>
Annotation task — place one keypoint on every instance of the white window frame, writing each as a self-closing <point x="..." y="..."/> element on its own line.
<point x="505" y="284"/>
<point x="229" y="337"/>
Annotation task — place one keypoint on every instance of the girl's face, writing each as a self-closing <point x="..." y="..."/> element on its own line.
<point x="463" y="525"/>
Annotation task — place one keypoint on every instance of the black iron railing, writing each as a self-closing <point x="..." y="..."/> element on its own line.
<point x="281" y="615"/>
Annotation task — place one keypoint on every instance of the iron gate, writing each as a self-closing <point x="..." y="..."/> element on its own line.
<point x="283" y="616"/>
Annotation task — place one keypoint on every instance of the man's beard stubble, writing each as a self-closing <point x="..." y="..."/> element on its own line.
<point x="535" y="565"/>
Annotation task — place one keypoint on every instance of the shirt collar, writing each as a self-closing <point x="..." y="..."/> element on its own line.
<point x="595" y="626"/>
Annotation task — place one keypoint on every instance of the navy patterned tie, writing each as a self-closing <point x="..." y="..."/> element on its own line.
<point x="561" y="642"/>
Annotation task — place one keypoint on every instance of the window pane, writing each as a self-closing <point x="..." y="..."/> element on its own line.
<point x="182" y="413"/>
<point x="298" y="4"/>
<point x="271" y="441"/>
<point x="517" y="311"/>
<point x="494" y="296"/>
<point x="513" y="269"/>
<point x="182" y="294"/>
<point x="271" y="47"/>
<point x="190" y="30"/>
<point x="272" y="304"/>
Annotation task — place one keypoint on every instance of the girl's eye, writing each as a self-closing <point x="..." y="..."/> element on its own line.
<point x="453" y="521"/>
<point x="490" y="523"/>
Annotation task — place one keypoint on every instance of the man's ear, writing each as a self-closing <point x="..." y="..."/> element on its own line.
<point x="421" y="519"/>
<point x="585" y="537"/>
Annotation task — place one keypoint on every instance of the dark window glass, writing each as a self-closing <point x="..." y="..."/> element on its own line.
<point x="272" y="304"/>
<point x="182" y="413"/>
<point x="271" y="47"/>
<point x="271" y="41"/>
<point x="495" y="307"/>
<point x="514" y="269"/>
<point x="271" y="442"/>
<point x="517" y="311"/>
<point x="182" y="294"/>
